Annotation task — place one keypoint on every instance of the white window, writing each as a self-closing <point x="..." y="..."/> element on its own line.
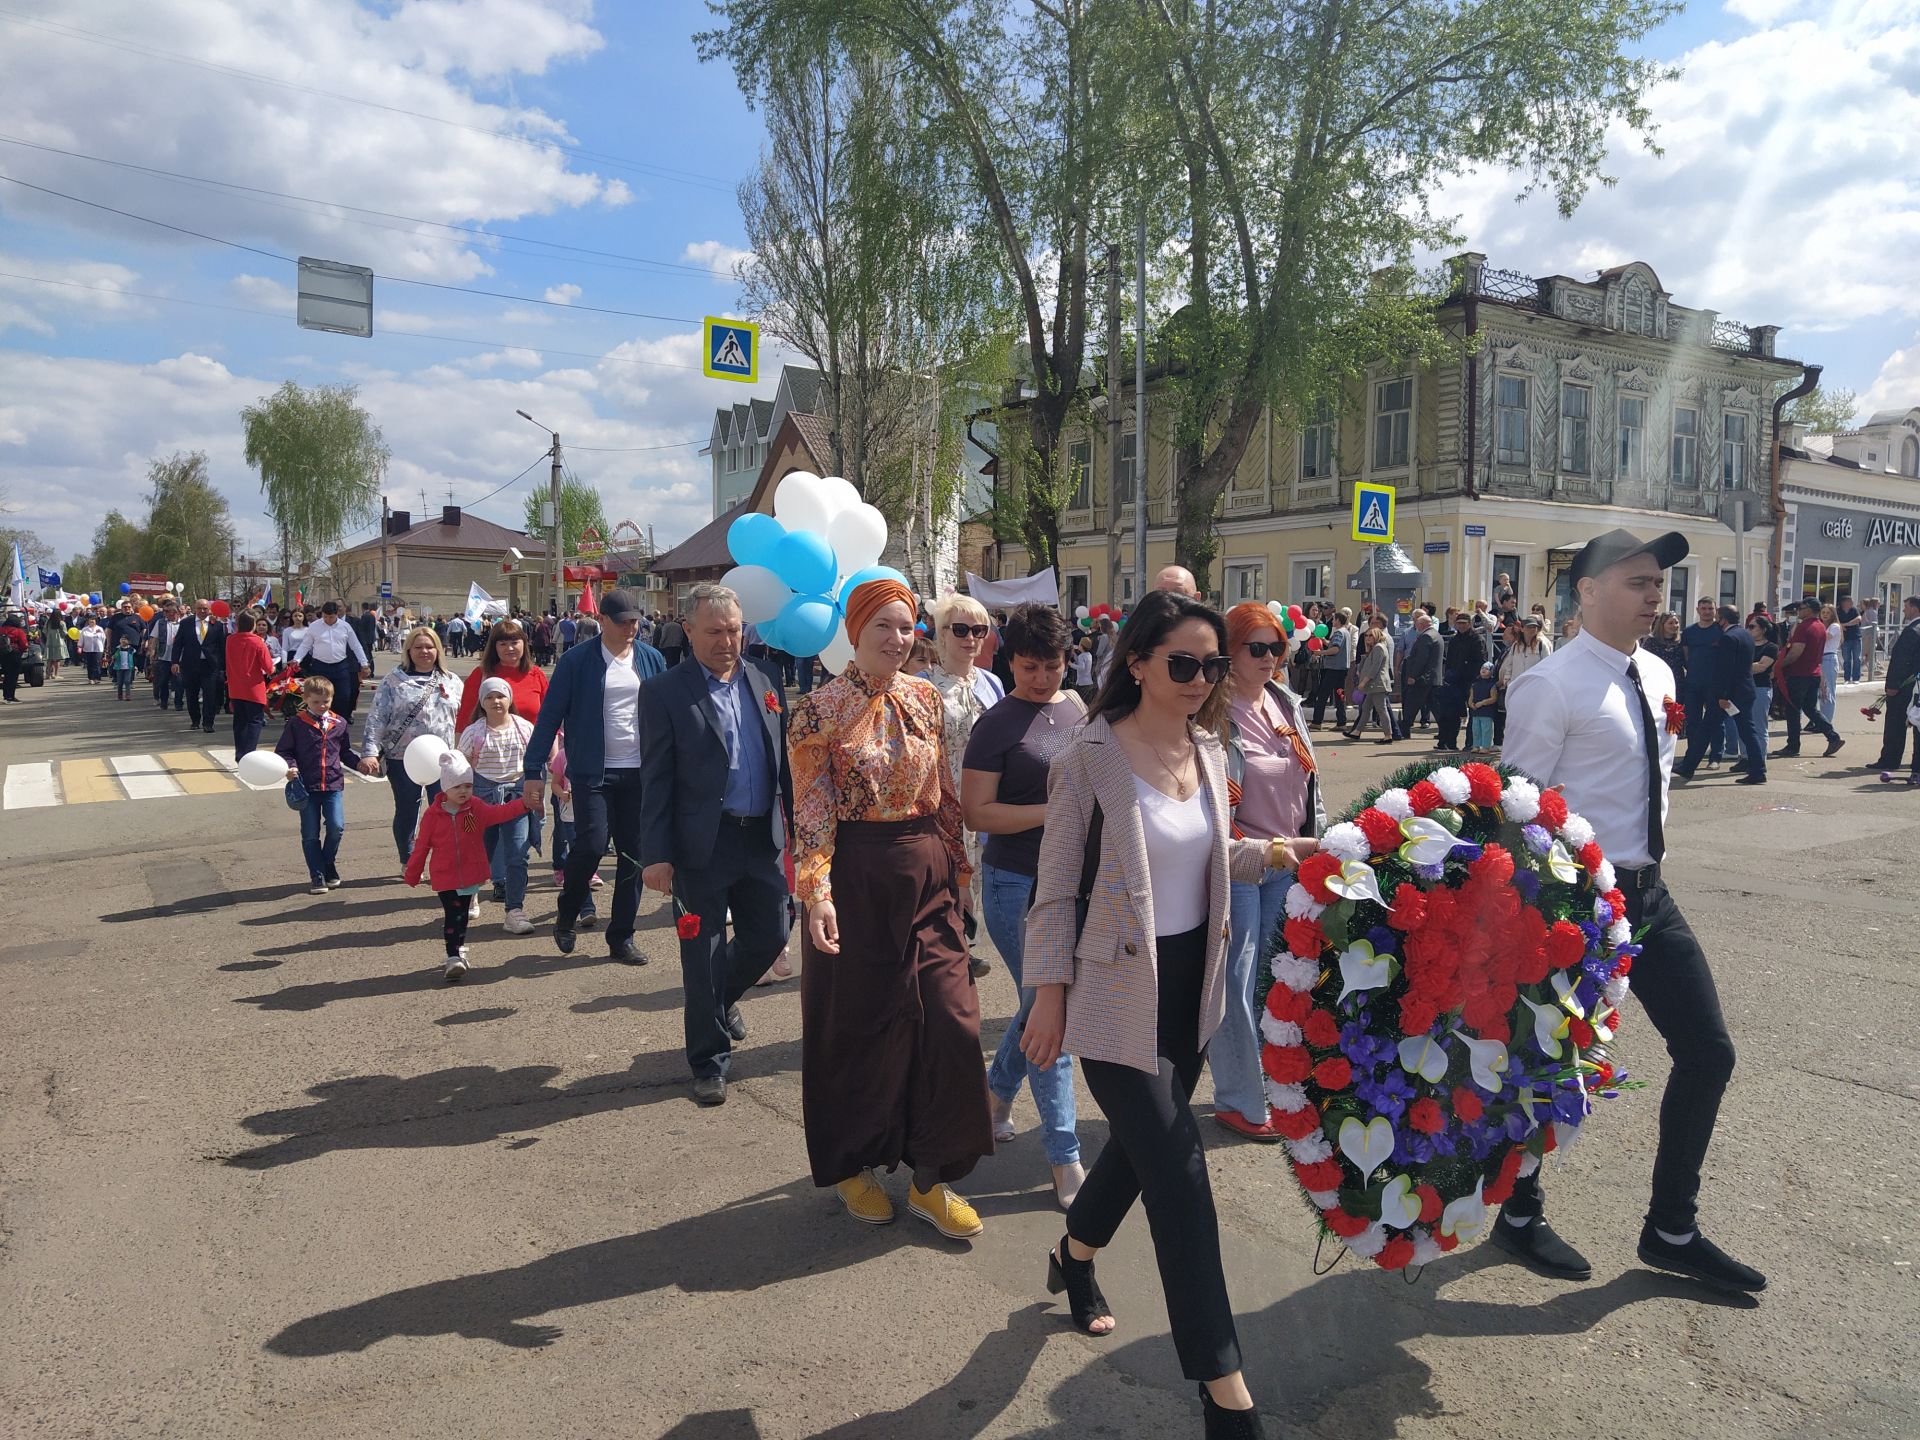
<point x="1080" y="471"/>
<point x="1910" y="456"/>
<point x="1392" y="416"/>
<point x="1316" y="443"/>
<point x="1733" y="450"/>
<point x="1686" y="445"/>
<point x="1312" y="579"/>
<point x="1123" y="483"/>
<point x="1245" y="580"/>
<point x="1511" y="416"/>
<point x="1633" y="427"/>
<point x="1576" y="411"/>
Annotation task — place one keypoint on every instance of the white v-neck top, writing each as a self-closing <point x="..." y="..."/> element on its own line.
<point x="1179" y="836"/>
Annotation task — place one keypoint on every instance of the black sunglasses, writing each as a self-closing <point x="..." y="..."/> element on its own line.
<point x="1182" y="667"/>
<point x="1260" y="649"/>
<point x="968" y="632"/>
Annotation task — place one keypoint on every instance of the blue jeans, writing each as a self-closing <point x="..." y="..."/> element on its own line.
<point x="1239" y="1084"/>
<point x="1762" y="702"/>
<point x="1480" y="732"/>
<point x="506" y="843"/>
<point x="1004" y="896"/>
<point x="331" y="806"/>
<point x="1850" y="649"/>
<point x="1829" y="694"/>
<point x="406" y="804"/>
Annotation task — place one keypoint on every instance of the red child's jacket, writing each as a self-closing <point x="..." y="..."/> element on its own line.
<point x="457" y="842"/>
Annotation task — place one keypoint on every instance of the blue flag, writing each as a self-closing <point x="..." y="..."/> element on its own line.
<point x="49" y="577"/>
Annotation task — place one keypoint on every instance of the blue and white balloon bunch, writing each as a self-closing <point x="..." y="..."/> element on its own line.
<point x="794" y="569"/>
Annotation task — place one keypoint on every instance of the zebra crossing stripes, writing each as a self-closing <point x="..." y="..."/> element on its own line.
<point x="161" y="775"/>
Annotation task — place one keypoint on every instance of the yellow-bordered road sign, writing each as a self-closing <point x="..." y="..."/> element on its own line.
<point x="1373" y="513"/>
<point x="731" y="349"/>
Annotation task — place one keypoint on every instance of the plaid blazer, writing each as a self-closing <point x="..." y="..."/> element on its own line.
<point x="1112" y="985"/>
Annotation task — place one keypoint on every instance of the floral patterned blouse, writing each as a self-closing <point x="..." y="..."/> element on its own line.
<point x="867" y="749"/>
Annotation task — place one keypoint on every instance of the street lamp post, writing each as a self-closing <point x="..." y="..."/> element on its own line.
<point x="553" y="520"/>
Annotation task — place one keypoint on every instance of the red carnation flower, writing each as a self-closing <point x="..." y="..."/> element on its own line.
<point x="1425" y="797"/>
<point x="1313" y="873"/>
<point x="1322" y="1030"/>
<point x="1430" y="1203"/>
<point x="1494" y="867"/>
<point x="1409" y="910"/>
<point x="1285" y="1064"/>
<point x="1305" y="938"/>
<point x="1447" y="1242"/>
<point x="1617" y="902"/>
<point x="1623" y="966"/>
<point x="1342" y="1224"/>
<point x="1426" y="1117"/>
<point x="687" y="927"/>
<point x="1418" y="1014"/>
<point x="1333" y="1073"/>
<point x="1322" y="1175"/>
<point x="1604" y="1075"/>
<point x="1395" y="1254"/>
<point x="1530" y="965"/>
<point x="1467" y="1104"/>
<point x="1288" y="1006"/>
<point x="1566" y="943"/>
<point x="1580" y="1030"/>
<point x="1553" y="809"/>
<point x="1549" y="1141"/>
<point x="1295" y="1124"/>
<point x="1485" y="783"/>
<point x="1382" y="830"/>
<point x="1499" y="1192"/>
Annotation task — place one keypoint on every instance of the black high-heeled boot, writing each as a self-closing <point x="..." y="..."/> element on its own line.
<point x="1223" y="1424"/>
<point x="1083" y="1291"/>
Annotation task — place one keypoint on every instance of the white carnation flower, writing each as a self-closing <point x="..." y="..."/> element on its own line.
<point x="1520" y="801"/>
<point x="1279" y="1032"/>
<point x="1295" y="973"/>
<point x="1312" y="1150"/>
<point x="1604" y="879"/>
<point x="1394" y="802"/>
<point x="1529" y="1164"/>
<point x="1324" y="1199"/>
<point x="1301" y="905"/>
<point x="1452" y="783"/>
<point x="1620" y="931"/>
<point x="1286" y="1098"/>
<point x="1425" y="1249"/>
<point x="1577" y="833"/>
<point x="1346" y="840"/>
<point x="1369" y="1242"/>
<point x="1616" y="991"/>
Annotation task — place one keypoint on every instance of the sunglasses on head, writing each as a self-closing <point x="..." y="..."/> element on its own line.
<point x="1182" y="667"/>
<point x="1260" y="649"/>
<point x="968" y="632"/>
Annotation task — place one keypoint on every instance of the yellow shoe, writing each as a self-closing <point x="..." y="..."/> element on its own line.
<point x="865" y="1200"/>
<point x="947" y="1212"/>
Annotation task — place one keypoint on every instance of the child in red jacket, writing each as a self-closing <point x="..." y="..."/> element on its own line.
<point x="453" y="836"/>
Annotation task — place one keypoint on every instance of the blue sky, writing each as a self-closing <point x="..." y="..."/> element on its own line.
<point x="1787" y="195"/>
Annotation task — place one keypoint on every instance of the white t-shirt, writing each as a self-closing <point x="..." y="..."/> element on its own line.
<point x="1179" y="851"/>
<point x="620" y="712"/>
<point x="1834" y="636"/>
<point x="1083" y="667"/>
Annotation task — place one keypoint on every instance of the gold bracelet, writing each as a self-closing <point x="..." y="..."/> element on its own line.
<point x="1276" y="854"/>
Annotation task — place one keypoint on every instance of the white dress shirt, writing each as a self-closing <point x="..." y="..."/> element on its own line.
<point x="326" y="644"/>
<point x="1574" y="721"/>
<point x="620" y="712"/>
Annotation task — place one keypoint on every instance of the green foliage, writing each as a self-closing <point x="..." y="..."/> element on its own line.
<point x="189" y="534"/>
<point x="77" y="574"/>
<point x="1823" y="411"/>
<point x="321" y="461"/>
<point x="580" y="507"/>
<point x="117" y="544"/>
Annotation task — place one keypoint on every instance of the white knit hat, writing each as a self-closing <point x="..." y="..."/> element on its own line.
<point x="454" y="770"/>
<point x="494" y="685"/>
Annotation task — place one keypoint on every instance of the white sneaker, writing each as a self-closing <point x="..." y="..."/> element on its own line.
<point x="456" y="967"/>
<point x="596" y="882"/>
<point x="473" y="909"/>
<point x="517" y="923"/>
<point x="319" y="887"/>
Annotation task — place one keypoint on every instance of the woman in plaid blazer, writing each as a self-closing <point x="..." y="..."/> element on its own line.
<point x="1137" y="989"/>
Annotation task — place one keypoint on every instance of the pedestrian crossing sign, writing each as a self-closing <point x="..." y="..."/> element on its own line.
<point x="732" y="350"/>
<point x="1373" y="513"/>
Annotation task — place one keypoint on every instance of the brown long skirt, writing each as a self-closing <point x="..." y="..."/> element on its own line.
<point x="890" y="1065"/>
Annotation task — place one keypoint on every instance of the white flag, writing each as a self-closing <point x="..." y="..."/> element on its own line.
<point x="17" y="587"/>
<point x="479" y="603"/>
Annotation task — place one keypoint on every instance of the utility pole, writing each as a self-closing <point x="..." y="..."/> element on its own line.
<point x="386" y="534"/>
<point x="1140" y="409"/>
<point x="1113" y="426"/>
<point x="559" y="571"/>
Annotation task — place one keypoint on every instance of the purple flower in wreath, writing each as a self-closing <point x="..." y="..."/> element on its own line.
<point x="1518" y="1127"/>
<point x="1444" y="1144"/>
<point x="1432" y="874"/>
<point x="1528" y="884"/>
<point x="1386" y="1094"/>
<point x="1383" y="940"/>
<point x="1569" y="1104"/>
<point x="1537" y="837"/>
<point x="1481" y="1137"/>
<point x="1365" y="1052"/>
<point x="1593" y="933"/>
<point x="1410" y="1147"/>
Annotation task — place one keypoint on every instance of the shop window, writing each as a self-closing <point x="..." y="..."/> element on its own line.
<point x="1825" y="580"/>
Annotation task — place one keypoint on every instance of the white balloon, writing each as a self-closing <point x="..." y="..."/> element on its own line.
<point x="1276" y="607"/>
<point x="800" y="503"/>
<point x="1080" y="612"/>
<point x="422" y="760"/>
<point x="837" y="654"/>
<point x="262" y="767"/>
<point x="839" y="495"/>
<point x="761" y="592"/>
<point x="857" y="535"/>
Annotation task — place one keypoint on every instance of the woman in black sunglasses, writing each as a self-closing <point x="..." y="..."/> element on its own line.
<point x="1135" y="984"/>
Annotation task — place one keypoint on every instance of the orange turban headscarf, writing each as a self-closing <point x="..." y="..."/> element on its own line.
<point x="867" y="600"/>
<point x="1246" y="618"/>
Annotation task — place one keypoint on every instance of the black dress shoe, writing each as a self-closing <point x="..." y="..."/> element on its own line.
<point x="1680" y="774"/>
<point x="1537" y="1247"/>
<point x="736" y="1023"/>
<point x="1751" y="779"/>
<point x="710" y="1089"/>
<point x="626" y="952"/>
<point x="1701" y="1259"/>
<point x="1833" y="746"/>
<point x="1784" y="754"/>
<point x="563" y="940"/>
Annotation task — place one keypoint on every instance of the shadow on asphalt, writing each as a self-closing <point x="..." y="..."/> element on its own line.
<point x="338" y="912"/>
<point x="316" y="994"/>
<point x="478" y="1017"/>
<point x="223" y="899"/>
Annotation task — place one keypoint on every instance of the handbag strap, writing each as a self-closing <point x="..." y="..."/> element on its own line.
<point x="1089" y="868"/>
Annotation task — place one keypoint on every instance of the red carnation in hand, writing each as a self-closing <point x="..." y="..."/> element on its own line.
<point x="1591" y="856"/>
<point x="1446" y="1242"/>
<point x="1295" y="1124"/>
<point x="1566" y="943"/>
<point x="1305" y="938"/>
<point x="1395" y="1254"/>
<point x="1313" y="873"/>
<point x="1333" y="1074"/>
<point x="1409" y="910"/>
<point x="1430" y="1203"/>
<point x="1382" y="830"/>
<point x="1425" y="797"/>
<point x="1285" y="1064"/>
<point x="1553" y="809"/>
<point x="1291" y="1007"/>
<point x="1425" y="1116"/>
<point x="1322" y="1030"/>
<point x="1322" y="1175"/>
<point x="1467" y="1104"/>
<point x="687" y="927"/>
<point x="1604" y="1075"/>
<point x="1342" y="1224"/>
<point x="1485" y="783"/>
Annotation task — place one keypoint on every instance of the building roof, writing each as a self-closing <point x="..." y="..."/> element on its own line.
<point x="803" y="383"/>
<point x="818" y="439"/>
<point x="472" y="533"/>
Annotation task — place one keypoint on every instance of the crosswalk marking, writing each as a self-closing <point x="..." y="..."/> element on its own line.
<point x="40" y="783"/>
<point x="30" y="786"/>
<point x="198" y="772"/>
<point x="144" y="777"/>
<point x="86" y="782"/>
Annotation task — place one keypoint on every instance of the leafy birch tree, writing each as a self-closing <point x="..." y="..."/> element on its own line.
<point x="321" y="460"/>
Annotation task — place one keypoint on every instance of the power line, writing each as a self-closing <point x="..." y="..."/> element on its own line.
<point x="644" y="167"/>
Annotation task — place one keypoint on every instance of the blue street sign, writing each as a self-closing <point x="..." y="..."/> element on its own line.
<point x="1373" y="513"/>
<point x="732" y="349"/>
<point x="1438" y="547"/>
<point x="386" y="589"/>
<point x="1473" y="530"/>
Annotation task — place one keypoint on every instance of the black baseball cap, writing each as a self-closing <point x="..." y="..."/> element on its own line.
<point x="619" y="606"/>
<point x="1603" y="552"/>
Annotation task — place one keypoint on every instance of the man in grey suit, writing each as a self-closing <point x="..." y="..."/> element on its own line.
<point x="715" y="790"/>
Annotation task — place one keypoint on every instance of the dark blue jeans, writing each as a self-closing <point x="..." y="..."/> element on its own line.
<point x="248" y="718"/>
<point x="406" y="804"/>
<point x="607" y="810"/>
<point x="742" y="879"/>
<point x="330" y="806"/>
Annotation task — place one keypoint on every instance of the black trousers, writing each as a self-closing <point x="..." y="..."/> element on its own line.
<point x="603" y="811"/>
<point x="459" y="909"/>
<point x="9" y="674"/>
<point x="1894" y="727"/>
<point x="1331" y="686"/>
<point x="202" y="684"/>
<point x="1449" y="709"/>
<point x="1676" y="990"/>
<point x="249" y="716"/>
<point x="1413" y="700"/>
<point x="744" y="875"/>
<point x="345" y="676"/>
<point x="1803" y="702"/>
<point x="1704" y="720"/>
<point x="1153" y="1153"/>
<point x="168" y="686"/>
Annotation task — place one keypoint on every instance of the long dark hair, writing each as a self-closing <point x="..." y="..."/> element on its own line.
<point x="1158" y="612"/>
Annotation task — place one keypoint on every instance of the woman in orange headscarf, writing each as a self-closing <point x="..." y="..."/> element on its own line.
<point x="891" y="1071"/>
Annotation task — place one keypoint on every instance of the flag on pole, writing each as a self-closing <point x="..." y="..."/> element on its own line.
<point x="587" y="605"/>
<point x="265" y="597"/>
<point x="49" y="578"/>
<point x="17" y="584"/>
<point x="480" y="604"/>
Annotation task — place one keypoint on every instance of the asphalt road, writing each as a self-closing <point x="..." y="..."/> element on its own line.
<point x="262" y="1174"/>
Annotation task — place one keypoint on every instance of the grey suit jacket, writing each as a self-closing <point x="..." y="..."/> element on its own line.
<point x="1111" y="976"/>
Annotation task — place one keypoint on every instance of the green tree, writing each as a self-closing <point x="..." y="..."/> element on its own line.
<point x="188" y="535"/>
<point x="580" y="507"/>
<point x="321" y="460"/>
<point x="117" y="543"/>
<point x="77" y="574"/>
<point x="1823" y="411"/>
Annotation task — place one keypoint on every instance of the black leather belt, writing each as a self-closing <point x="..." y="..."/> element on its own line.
<point x="745" y="822"/>
<point x="1631" y="880"/>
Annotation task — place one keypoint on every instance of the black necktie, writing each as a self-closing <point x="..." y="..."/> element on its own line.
<point x="1650" y="743"/>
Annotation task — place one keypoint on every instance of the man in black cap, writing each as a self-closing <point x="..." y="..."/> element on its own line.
<point x="1589" y="719"/>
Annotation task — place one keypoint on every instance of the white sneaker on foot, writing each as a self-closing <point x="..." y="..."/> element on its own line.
<point x="473" y="909"/>
<point x="319" y="887"/>
<point x="517" y="923"/>
<point x="456" y="967"/>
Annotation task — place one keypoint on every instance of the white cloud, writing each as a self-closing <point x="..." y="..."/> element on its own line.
<point x="721" y="259"/>
<point x="1897" y="386"/>
<point x="33" y="290"/>
<point x="562" y="294"/>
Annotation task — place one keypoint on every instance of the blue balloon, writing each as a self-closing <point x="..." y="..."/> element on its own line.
<point x="125" y="588"/>
<point x="770" y="635"/>
<point x="751" y="539"/>
<point x="861" y="577"/>
<point x="806" y="624"/>
<point x="94" y="597"/>
<point x="805" y="561"/>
